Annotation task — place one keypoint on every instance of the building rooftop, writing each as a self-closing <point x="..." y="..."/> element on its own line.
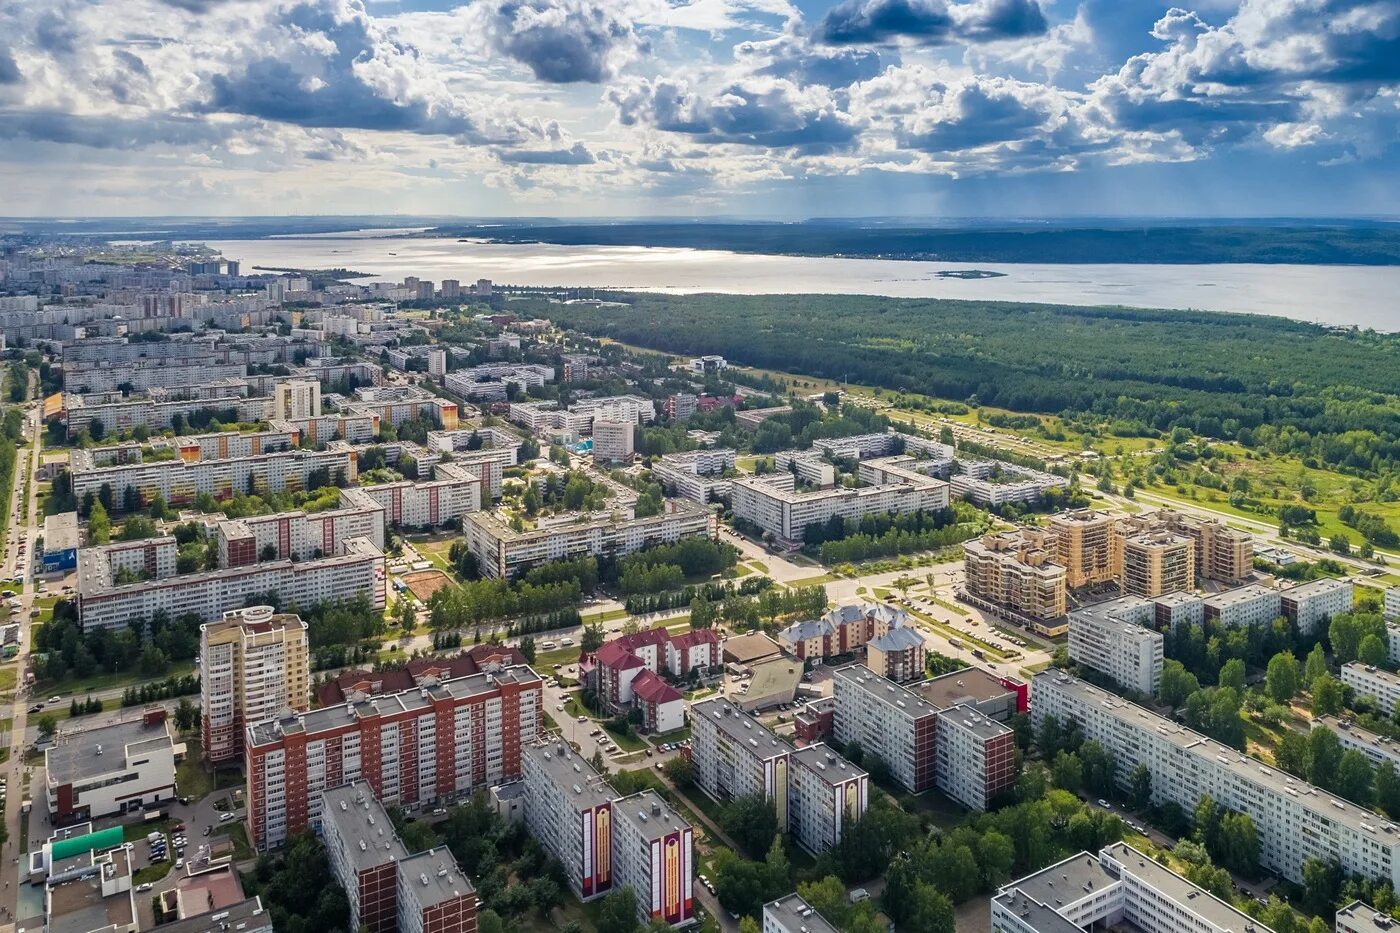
<point x="244" y="917"/>
<point x="650" y="815"/>
<point x="570" y="772"/>
<point x="1200" y="902"/>
<point x="61" y="531"/>
<point x="415" y="698"/>
<point x="745" y="649"/>
<point x="973" y="684"/>
<point x="1175" y="598"/>
<point x="740" y="727"/>
<point x="1373" y="673"/>
<point x="898" y="639"/>
<point x="794" y="915"/>
<point x="360" y="820"/>
<point x="1361" y="916"/>
<point x="77" y="756"/>
<point x="434" y="877"/>
<point x="884" y="690"/>
<point x="1249" y="771"/>
<point x="1240" y="595"/>
<point x="969" y="719"/>
<point x="1066" y="882"/>
<point x="1302" y="590"/>
<point x="827" y="764"/>
<point x="77" y="905"/>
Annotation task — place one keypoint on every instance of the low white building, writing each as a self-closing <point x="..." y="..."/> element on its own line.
<point x="1373" y="682"/>
<point x="110" y="770"/>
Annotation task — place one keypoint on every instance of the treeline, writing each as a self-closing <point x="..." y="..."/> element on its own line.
<point x="667" y="566"/>
<point x="807" y="423"/>
<point x="166" y="689"/>
<point x="63" y="650"/>
<point x="479" y="602"/>
<point x="1297" y="392"/>
<point x="711" y="592"/>
<point x="895" y="542"/>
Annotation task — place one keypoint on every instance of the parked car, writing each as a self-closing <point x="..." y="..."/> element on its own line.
<point x="144" y="887"/>
<point x="225" y="817"/>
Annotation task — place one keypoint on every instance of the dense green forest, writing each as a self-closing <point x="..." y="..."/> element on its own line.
<point x="1341" y="243"/>
<point x="1327" y="396"/>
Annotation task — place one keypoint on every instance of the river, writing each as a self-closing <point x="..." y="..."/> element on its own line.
<point x="1365" y="296"/>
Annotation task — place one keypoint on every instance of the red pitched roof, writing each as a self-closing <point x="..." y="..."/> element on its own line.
<point x="652" y="688"/>
<point x="652" y="636"/>
<point x="472" y="661"/>
<point x="696" y="637"/>
<point x="616" y="655"/>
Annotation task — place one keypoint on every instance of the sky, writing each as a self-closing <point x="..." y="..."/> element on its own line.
<point x="690" y="108"/>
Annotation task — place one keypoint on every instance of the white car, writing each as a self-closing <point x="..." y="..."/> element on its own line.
<point x="145" y="887"/>
<point x="225" y="817"/>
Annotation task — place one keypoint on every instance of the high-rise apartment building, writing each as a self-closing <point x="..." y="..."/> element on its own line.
<point x="429" y="743"/>
<point x="1015" y="572"/>
<point x="253" y="666"/>
<point x="1158" y="562"/>
<point x="1086" y="546"/>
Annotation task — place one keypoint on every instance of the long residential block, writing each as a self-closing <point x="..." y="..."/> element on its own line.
<point x="1377" y="683"/>
<point x="1295" y="820"/>
<point x="1115" y="638"/>
<point x="436" y="742"/>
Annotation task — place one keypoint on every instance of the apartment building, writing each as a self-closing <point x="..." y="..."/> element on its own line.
<point x="775" y="505"/>
<point x="957" y="749"/>
<point x="454" y="492"/>
<point x="109" y="770"/>
<point x="1119" y="887"/>
<point x="569" y="811"/>
<point x="1295" y="821"/>
<point x="179" y="482"/>
<point x="390" y="890"/>
<point x="1358" y="917"/>
<point x="158" y="412"/>
<point x="974" y="757"/>
<point x="341" y="426"/>
<point x="1086" y="546"/>
<point x="697" y="475"/>
<point x="148" y="374"/>
<point x="297" y="535"/>
<point x="1219" y="552"/>
<point x="994" y="483"/>
<point x="253" y="666"/>
<point x="841" y="630"/>
<point x="394" y="405"/>
<point x="1176" y="609"/>
<point x="614" y="441"/>
<point x="653" y="854"/>
<point x="295" y="400"/>
<point x="1015" y="573"/>
<point x="1244" y="606"/>
<point x="737" y="756"/>
<point x="828" y="794"/>
<point x="109" y="599"/>
<point x="1391" y="606"/>
<point x="1115" y="639"/>
<point x="1309" y="605"/>
<point x="992" y="695"/>
<point x="221" y="445"/>
<point x="897" y="655"/>
<point x="1374" y="746"/>
<point x="439" y="741"/>
<point x="792" y="914"/>
<point x="751" y="418"/>
<point x="503" y="552"/>
<point x="1158" y="562"/>
<point x="1377" y="683"/>
<point x="889" y="720"/>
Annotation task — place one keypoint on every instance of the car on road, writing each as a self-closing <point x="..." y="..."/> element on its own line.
<point x="144" y="887"/>
<point x="559" y="708"/>
<point x="55" y="699"/>
<point x="583" y="719"/>
<point x="1105" y="804"/>
<point x="225" y="817"/>
<point x="206" y="830"/>
<point x="37" y="708"/>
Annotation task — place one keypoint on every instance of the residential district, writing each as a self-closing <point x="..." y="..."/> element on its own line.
<point x="394" y="607"/>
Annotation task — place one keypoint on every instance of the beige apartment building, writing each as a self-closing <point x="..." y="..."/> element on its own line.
<point x="1087" y="546"/>
<point x="1016" y="571"/>
<point x="253" y="666"/>
<point x="1219" y="552"/>
<point x="1158" y="562"/>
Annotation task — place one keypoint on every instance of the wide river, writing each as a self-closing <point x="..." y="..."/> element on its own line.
<point x="1367" y="296"/>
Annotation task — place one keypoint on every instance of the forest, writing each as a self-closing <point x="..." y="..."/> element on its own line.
<point x="1324" y="395"/>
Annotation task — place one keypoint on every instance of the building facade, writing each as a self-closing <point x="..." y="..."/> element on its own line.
<point x="253" y="665"/>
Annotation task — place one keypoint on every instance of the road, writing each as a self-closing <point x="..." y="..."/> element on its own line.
<point x="24" y="528"/>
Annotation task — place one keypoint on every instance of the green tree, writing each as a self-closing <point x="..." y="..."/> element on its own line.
<point x="1388" y="788"/>
<point x="47" y="724"/>
<point x="1177" y="683"/>
<point x="750" y="821"/>
<point x="1140" y="793"/>
<point x="1067" y="772"/>
<point x="931" y="911"/>
<point x="1315" y="666"/>
<point x="1281" y="677"/>
<point x="617" y="913"/>
<point x="1354" y="776"/>
<point x="1233" y="674"/>
<point x="1326" y="696"/>
<point x="1372" y="650"/>
<point x="1324" y="758"/>
<point x="99" y="525"/>
<point x="1322" y="884"/>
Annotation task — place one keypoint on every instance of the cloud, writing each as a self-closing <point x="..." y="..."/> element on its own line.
<point x="929" y="22"/>
<point x="756" y="111"/>
<point x="9" y="69"/>
<point x="795" y="58"/>
<point x="577" y="154"/>
<point x="108" y="132"/>
<point x="560" y="41"/>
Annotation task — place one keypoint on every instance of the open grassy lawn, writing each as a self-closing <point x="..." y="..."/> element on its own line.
<point x="603" y="615"/>
<point x="238" y="834"/>
<point x="190" y="775"/>
<point x="628" y="743"/>
<point x="811" y="581"/>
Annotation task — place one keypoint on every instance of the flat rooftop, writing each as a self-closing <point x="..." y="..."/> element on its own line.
<point x="1361" y="916"/>
<point x="1313" y="588"/>
<point x="61" y="531"/>
<point x="1371" y="672"/>
<point x="1240" y="595"/>
<point x="740" y="727"/>
<point x="81" y="755"/>
<point x="971" y="720"/>
<point x="1067" y="882"/>
<point x="245" y="916"/>
<point x="359" y="818"/>
<point x="827" y="763"/>
<point x="1200" y="902"/>
<point x="886" y="691"/>
<point x="794" y="915"/>
<point x="1175" y="598"/>
<point x="752" y="647"/>
<point x="650" y="815"/>
<point x="973" y="684"/>
<point x="414" y="698"/>
<point x="434" y="877"/>
<point x="570" y="771"/>
<point x="78" y="906"/>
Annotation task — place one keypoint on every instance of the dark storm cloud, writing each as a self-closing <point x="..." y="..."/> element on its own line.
<point x="929" y="22"/>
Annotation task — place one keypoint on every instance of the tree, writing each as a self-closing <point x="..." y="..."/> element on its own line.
<point x="1372" y="650"/>
<point x="1324" y="758"/>
<point x="1388" y="788"/>
<point x="748" y="925"/>
<point x="750" y="821"/>
<point x="617" y="913"/>
<point x="47" y="724"/>
<point x="1067" y="772"/>
<point x="1315" y="666"/>
<point x="527" y="648"/>
<point x="1177" y="683"/>
<point x="1140" y="792"/>
<point x="1354" y="777"/>
<point x="1281" y="677"/>
<point x="1100" y="769"/>
<point x="1233" y="674"/>
<point x="186" y="716"/>
<point x="930" y="912"/>
<point x="1238" y="843"/>
<point x="680" y="771"/>
<point x="1322" y="883"/>
<point x="99" y="525"/>
<point x="592" y="638"/>
<point x="1326" y="696"/>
